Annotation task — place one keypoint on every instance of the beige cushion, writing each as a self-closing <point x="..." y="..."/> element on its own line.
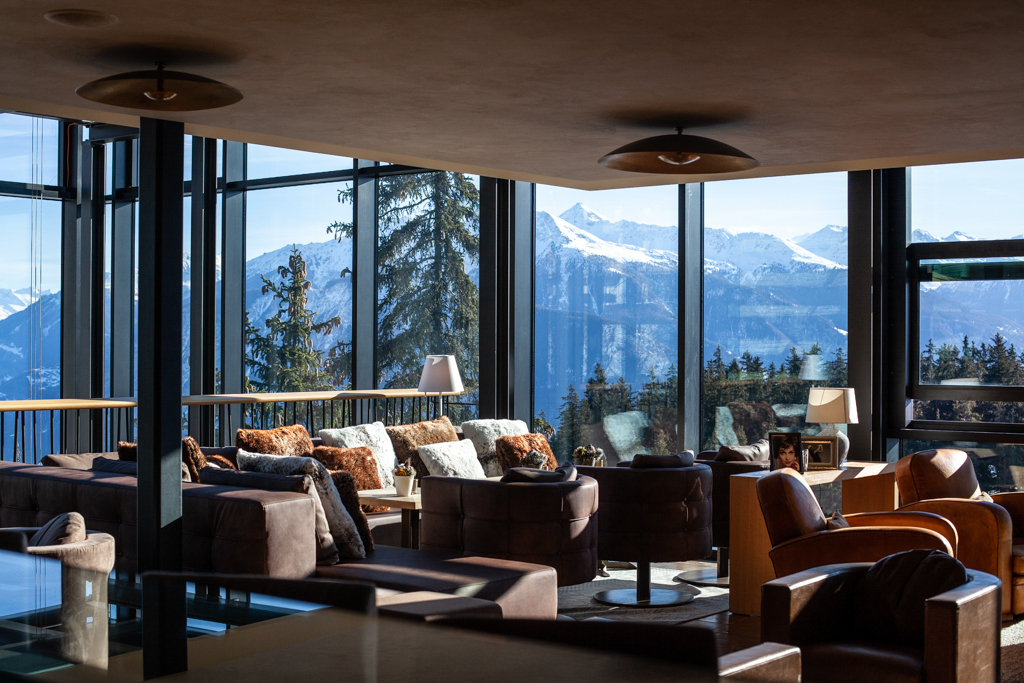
<point x="61" y="530"/>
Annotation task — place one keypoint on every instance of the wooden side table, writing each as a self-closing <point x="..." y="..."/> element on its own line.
<point x="409" y="505"/>
<point x="867" y="487"/>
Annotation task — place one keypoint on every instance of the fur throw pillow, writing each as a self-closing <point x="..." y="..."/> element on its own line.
<point x="191" y="455"/>
<point x="343" y="528"/>
<point x="483" y="434"/>
<point x="290" y="440"/>
<point x="358" y="462"/>
<point x="408" y="438"/>
<point x="375" y="437"/>
<point x="511" y="449"/>
<point x="452" y="459"/>
<point x="220" y="461"/>
<point x="345" y="483"/>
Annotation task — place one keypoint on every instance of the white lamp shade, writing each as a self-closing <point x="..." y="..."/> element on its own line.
<point x="440" y="375"/>
<point x="831" y="406"/>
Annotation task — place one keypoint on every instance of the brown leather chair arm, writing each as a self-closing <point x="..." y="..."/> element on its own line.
<point x="764" y="663"/>
<point x="962" y="632"/>
<point x="805" y="607"/>
<point x="1013" y="502"/>
<point x="921" y="520"/>
<point x="856" y="544"/>
<point x="985" y="534"/>
<point x="95" y="553"/>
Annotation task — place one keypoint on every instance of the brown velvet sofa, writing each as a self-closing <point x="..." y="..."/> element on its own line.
<point x="816" y="611"/>
<point x="553" y="523"/>
<point x="943" y="482"/>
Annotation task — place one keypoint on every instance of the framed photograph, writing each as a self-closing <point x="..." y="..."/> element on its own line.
<point x="786" y="451"/>
<point x="822" y="452"/>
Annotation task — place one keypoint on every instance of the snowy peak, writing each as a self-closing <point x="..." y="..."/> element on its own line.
<point x="831" y="242"/>
<point x="750" y="251"/>
<point x="643" y="235"/>
<point x="556" y="234"/>
<point x="580" y="216"/>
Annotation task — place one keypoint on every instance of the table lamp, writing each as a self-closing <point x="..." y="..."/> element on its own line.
<point x="440" y="375"/>
<point x="833" y="406"/>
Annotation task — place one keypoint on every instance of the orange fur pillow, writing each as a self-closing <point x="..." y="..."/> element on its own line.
<point x="511" y="449"/>
<point x="191" y="455"/>
<point x="291" y="440"/>
<point x="407" y="438"/>
<point x="359" y="462"/>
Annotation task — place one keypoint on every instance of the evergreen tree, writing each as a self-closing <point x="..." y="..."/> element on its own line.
<point x="427" y="301"/>
<point x="793" y="364"/>
<point x="284" y="359"/>
<point x="836" y="369"/>
<point x="572" y="418"/>
<point x="928" y="363"/>
<point x="596" y="393"/>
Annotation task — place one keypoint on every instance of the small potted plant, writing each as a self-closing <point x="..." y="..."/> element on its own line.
<point x="405" y="475"/>
<point x="589" y="456"/>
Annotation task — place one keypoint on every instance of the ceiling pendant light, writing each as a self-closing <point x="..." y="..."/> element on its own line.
<point x="160" y="90"/>
<point x="678" y="154"/>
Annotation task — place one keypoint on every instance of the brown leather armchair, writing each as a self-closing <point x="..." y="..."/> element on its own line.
<point x="943" y="482"/>
<point x="801" y="538"/>
<point x="656" y="514"/>
<point x="552" y="523"/>
<point x="816" y="610"/>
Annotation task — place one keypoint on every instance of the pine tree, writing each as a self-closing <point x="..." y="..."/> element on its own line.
<point x="596" y="393"/>
<point x="836" y="369"/>
<point x="427" y="301"/>
<point x="928" y="363"/>
<point x="793" y="364"/>
<point x="284" y="359"/>
<point x="571" y="419"/>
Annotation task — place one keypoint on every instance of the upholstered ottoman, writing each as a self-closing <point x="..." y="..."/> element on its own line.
<point x="522" y="590"/>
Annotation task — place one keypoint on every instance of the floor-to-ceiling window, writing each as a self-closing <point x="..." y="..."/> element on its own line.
<point x="606" y="284"/>
<point x="428" y="279"/>
<point x="966" y="265"/>
<point x="775" y="303"/>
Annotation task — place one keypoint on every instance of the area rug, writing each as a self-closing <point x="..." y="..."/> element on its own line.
<point x="578" y="601"/>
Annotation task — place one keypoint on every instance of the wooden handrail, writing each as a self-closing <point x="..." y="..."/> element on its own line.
<point x="30" y="405"/>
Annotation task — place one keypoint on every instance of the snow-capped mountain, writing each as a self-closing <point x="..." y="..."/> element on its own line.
<point x="832" y="242"/>
<point x="659" y="237"/>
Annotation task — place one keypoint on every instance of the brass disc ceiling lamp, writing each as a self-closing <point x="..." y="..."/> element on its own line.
<point x="160" y="90"/>
<point x="677" y="155"/>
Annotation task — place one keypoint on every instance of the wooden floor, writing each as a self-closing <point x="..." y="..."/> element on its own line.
<point x="733" y="631"/>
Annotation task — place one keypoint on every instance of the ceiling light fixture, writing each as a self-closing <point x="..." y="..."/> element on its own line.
<point x="80" y="18"/>
<point x="678" y="154"/>
<point x="160" y="90"/>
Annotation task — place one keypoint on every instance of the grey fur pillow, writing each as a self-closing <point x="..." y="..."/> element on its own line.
<point x="374" y="437"/>
<point x="483" y="434"/>
<point x="451" y="459"/>
<point x="343" y="528"/>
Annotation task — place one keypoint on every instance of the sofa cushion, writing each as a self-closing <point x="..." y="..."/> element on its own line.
<point x="1018" y="559"/>
<point x="349" y="494"/>
<point x="221" y="462"/>
<point x="61" y="530"/>
<point x="756" y="452"/>
<point x="511" y="449"/>
<point x="375" y="437"/>
<point x="859" y="662"/>
<point x="75" y="461"/>
<point x="326" y="550"/>
<point x="220" y="455"/>
<point x="451" y="459"/>
<point x="408" y="438"/>
<point x="129" y="468"/>
<point x="483" y="434"/>
<point x="290" y="440"/>
<point x="127" y="450"/>
<point x="342" y="526"/>
<point x="566" y="472"/>
<point x="191" y="455"/>
<point x="889" y="600"/>
<point x="359" y="462"/>
<point x="643" y="460"/>
<point x="523" y="590"/>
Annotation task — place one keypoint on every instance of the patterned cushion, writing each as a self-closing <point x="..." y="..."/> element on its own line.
<point x="343" y="528"/>
<point x="290" y="440"/>
<point x="375" y="437"/>
<point x="511" y="449"/>
<point x="408" y="438"/>
<point x="451" y="459"/>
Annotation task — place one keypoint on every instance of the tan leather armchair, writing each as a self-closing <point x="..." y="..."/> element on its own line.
<point x="817" y="611"/>
<point x="801" y="538"/>
<point x="943" y="482"/>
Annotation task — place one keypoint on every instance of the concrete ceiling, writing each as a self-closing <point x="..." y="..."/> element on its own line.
<point x="539" y="89"/>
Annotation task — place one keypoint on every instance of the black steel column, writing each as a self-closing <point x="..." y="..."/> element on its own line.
<point x="122" y="278"/>
<point x="232" y="300"/>
<point x="203" y="311"/>
<point x="860" y="322"/>
<point x="523" y="203"/>
<point x="161" y="167"/>
<point x="364" y="279"/>
<point x="71" y="264"/>
<point x="690" y="351"/>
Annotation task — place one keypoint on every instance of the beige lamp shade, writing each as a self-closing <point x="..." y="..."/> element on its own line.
<point x="440" y="375"/>
<point x="831" y="406"/>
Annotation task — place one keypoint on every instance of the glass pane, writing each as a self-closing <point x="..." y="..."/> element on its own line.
<point x="271" y="162"/>
<point x="999" y="467"/>
<point x="30" y="298"/>
<point x="606" y="329"/>
<point x="428" y="280"/>
<point x="966" y="202"/>
<point x="298" y="288"/>
<point x="775" y="303"/>
<point x="28" y="149"/>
